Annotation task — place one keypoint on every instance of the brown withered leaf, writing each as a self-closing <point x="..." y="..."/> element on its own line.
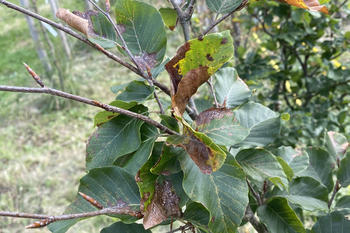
<point x="173" y="67"/>
<point x="188" y="86"/>
<point x="312" y="5"/>
<point x="165" y="203"/>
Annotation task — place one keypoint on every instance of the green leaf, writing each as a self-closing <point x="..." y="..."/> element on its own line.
<point x="108" y="142"/>
<point x="343" y="173"/>
<point x="297" y="160"/>
<point x="136" y="91"/>
<point x="194" y="63"/>
<point x="264" y="124"/>
<point x="332" y="223"/>
<point x="170" y="122"/>
<point x="223" y="6"/>
<point x="337" y="144"/>
<point x="307" y="193"/>
<point x="224" y="193"/>
<point x="120" y="227"/>
<point x="221" y="125"/>
<point x="286" y="168"/>
<point x="320" y="167"/>
<point x="106" y="185"/>
<point x="134" y="161"/>
<point x="230" y="90"/>
<point x="169" y="16"/>
<point x="260" y="164"/>
<point x="197" y="214"/>
<point x="104" y="33"/>
<point x="343" y="205"/>
<point x="142" y="28"/>
<point x="167" y="163"/>
<point x="105" y="116"/>
<point x="279" y="217"/>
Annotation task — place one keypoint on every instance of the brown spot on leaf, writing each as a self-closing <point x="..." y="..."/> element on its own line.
<point x="209" y="57"/>
<point x="224" y="40"/>
<point x="147" y="61"/>
<point x="210" y="114"/>
<point x="172" y="28"/>
<point x="212" y="219"/>
<point x="137" y="177"/>
<point x="165" y="203"/>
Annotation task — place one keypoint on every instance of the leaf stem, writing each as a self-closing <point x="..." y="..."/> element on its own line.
<point x="335" y="190"/>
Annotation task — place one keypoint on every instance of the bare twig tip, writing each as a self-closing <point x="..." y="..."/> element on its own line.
<point x="91" y="200"/>
<point x="34" y="75"/>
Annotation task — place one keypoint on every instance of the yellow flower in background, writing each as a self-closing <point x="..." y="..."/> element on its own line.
<point x="256" y="38"/>
<point x="315" y="50"/>
<point x="343" y="68"/>
<point x="298" y="102"/>
<point x="336" y="63"/>
<point x="263" y="49"/>
<point x="287" y="85"/>
<point x="303" y="44"/>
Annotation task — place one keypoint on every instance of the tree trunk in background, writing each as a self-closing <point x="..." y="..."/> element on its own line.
<point x="236" y="34"/>
<point x="62" y="35"/>
<point x="38" y="44"/>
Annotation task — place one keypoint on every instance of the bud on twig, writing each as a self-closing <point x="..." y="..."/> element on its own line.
<point x="34" y="75"/>
<point x="91" y="200"/>
<point x="41" y="223"/>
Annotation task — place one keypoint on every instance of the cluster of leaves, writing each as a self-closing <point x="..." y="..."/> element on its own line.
<point x="215" y="166"/>
<point x="299" y="55"/>
<point x="217" y="171"/>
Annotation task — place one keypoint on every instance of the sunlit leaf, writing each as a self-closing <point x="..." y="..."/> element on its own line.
<point x="312" y="5"/>
<point x="142" y="28"/>
<point x="194" y="63"/>
<point x="169" y="16"/>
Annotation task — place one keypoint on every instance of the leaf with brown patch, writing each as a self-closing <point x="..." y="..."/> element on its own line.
<point x="221" y="125"/>
<point x="194" y="63"/>
<point x="165" y="203"/>
<point x="207" y="155"/>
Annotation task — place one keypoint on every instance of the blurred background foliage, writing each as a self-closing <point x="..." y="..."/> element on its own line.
<point x="296" y="61"/>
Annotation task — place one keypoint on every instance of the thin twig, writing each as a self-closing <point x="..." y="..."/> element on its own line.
<point x="83" y="39"/>
<point x="335" y="190"/>
<point x="109" y="108"/>
<point x="255" y="194"/>
<point x="211" y="88"/>
<point x="250" y="217"/>
<point x="243" y="4"/>
<point x="46" y="219"/>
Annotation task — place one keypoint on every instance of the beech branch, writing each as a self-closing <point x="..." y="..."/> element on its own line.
<point x="55" y="92"/>
<point x="47" y="219"/>
<point x="126" y="49"/>
<point x="83" y="39"/>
